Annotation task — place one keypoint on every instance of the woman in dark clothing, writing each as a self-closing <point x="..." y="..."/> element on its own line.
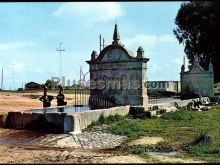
<point x="45" y="98"/>
<point x="61" y="97"/>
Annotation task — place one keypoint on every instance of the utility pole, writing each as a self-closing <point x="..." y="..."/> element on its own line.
<point x="13" y="74"/>
<point x="82" y="76"/>
<point x="60" y="67"/>
<point x="101" y="42"/>
<point x="2" y="80"/>
<point x="80" y="71"/>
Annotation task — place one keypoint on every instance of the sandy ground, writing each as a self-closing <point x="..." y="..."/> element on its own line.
<point x="22" y="101"/>
<point x="146" y="141"/>
<point x="20" y="146"/>
<point x="11" y="151"/>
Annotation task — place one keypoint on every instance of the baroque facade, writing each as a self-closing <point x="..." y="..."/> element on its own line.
<point x="118" y="75"/>
<point x="197" y="80"/>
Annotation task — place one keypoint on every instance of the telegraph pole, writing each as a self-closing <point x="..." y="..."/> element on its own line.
<point x="80" y="77"/>
<point x="101" y="42"/>
<point x="13" y="88"/>
<point x="60" y="50"/>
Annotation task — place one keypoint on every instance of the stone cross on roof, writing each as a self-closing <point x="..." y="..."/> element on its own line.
<point x="196" y="60"/>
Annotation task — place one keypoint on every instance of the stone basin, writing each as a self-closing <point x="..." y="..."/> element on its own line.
<point x="62" y="109"/>
<point x="67" y="119"/>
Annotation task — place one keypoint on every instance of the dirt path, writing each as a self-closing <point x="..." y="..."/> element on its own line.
<point x="20" y="146"/>
<point x="28" y="154"/>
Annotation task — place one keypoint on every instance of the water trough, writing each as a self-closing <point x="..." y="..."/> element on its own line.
<point x="76" y="118"/>
<point x="58" y="120"/>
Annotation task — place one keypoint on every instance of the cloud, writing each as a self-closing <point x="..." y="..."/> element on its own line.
<point x="166" y="39"/>
<point x="16" y="66"/>
<point x="141" y="39"/>
<point x="153" y="66"/>
<point x="162" y="50"/>
<point x="148" y="41"/>
<point x="177" y="61"/>
<point x="15" y="45"/>
<point x="90" y="12"/>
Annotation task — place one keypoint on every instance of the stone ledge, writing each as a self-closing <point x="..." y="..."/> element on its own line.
<point x="3" y="119"/>
<point x="59" y="122"/>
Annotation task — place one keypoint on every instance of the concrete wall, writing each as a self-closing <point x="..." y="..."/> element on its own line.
<point x="2" y="119"/>
<point x="57" y="122"/>
<point x="83" y="119"/>
<point x="158" y="109"/>
<point x="77" y="121"/>
<point x="197" y="80"/>
<point x="170" y="86"/>
<point x="50" y="122"/>
<point x="198" y="83"/>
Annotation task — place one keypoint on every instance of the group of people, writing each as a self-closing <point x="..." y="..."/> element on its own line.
<point x="46" y="99"/>
<point x="199" y="103"/>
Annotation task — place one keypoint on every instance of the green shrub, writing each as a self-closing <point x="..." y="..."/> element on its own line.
<point x="101" y="119"/>
<point x="204" y="147"/>
<point x="94" y="123"/>
<point x="204" y="150"/>
<point x="163" y="146"/>
<point x="203" y="138"/>
<point x="137" y="150"/>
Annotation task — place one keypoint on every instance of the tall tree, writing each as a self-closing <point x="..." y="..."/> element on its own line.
<point x="198" y="28"/>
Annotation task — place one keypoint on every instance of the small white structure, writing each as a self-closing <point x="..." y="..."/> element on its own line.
<point x="197" y="80"/>
<point x="164" y="86"/>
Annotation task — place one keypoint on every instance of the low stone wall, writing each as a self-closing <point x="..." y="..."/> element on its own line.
<point x="158" y="109"/>
<point x="83" y="119"/>
<point x="76" y="121"/>
<point x="2" y="119"/>
<point x="57" y="122"/>
<point x="50" y="122"/>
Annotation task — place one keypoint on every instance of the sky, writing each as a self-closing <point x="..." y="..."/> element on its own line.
<point x="31" y="33"/>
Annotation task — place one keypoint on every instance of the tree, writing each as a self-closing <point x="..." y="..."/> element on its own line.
<point x="48" y="83"/>
<point x="198" y="28"/>
<point x="52" y="84"/>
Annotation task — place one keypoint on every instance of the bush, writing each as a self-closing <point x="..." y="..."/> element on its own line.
<point x="137" y="150"/>
<point x="203" y="146"/>
<point x="163" y="146"/>
<point x="204" y="150"/>
<point x="203" y="138"/>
